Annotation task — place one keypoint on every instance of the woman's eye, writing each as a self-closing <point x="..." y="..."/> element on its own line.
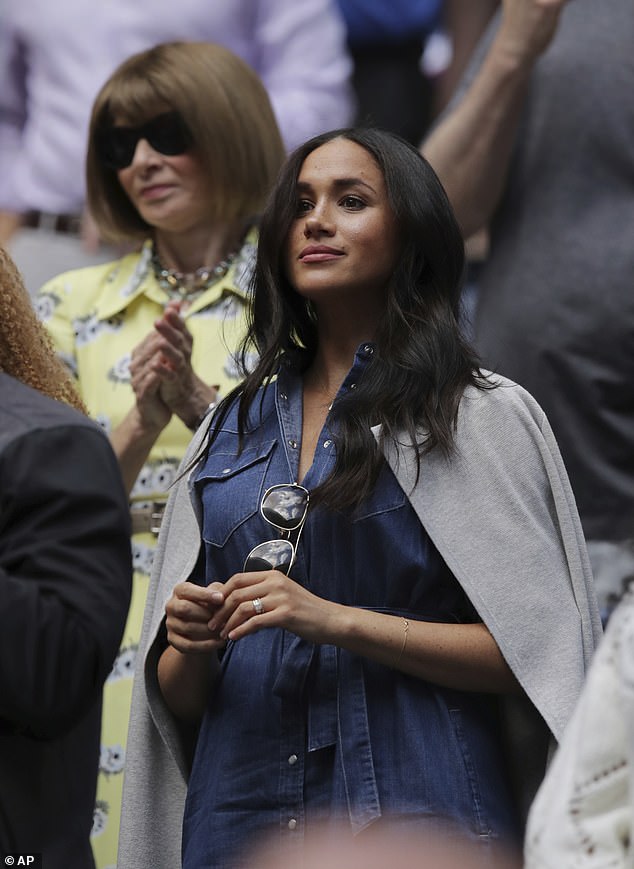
<point x="352" y="202"/>
<point x="303" y="206"/>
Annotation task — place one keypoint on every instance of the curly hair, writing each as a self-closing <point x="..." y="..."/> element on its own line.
<point x="26" y="351"/>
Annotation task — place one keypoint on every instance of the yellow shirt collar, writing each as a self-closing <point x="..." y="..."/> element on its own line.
<point x="132" y="276"/>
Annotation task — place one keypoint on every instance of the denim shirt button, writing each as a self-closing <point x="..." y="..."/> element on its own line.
<point x="227" y="471"/>
<point x="292" y="824"/>
<point x="292" y="444"/>
<point x="369" y="349"/>
<point x="292" y="760"/>
<point x="283" y="396"/>
<point x="327" y="444"/>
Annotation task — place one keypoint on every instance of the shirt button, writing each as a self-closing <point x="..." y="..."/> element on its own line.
<point x="283" y="396"/>
<point x="353" y="386"/>
<point x="292" y="824"/>
<point x="369" y="349"/>
<point x="292" y="444"/>
<point x="327" y="444"/>
<point x="292" y="760"/>
<point x="227" y="471"/>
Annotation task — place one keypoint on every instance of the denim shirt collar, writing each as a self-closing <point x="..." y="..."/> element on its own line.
<point x="288" y="395"/>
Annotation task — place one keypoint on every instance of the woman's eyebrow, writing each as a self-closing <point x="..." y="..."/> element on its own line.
<point x="337" y="183"/>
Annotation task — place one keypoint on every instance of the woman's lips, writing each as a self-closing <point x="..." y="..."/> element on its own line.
<point x="156" y="191"/>
<point x="319" y="253"/>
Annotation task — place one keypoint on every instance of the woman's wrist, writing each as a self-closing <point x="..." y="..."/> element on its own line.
<point x="185" y="681"/>
<point x="195" y="424"/>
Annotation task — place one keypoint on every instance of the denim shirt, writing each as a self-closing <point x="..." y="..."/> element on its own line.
<point x="396" y="746"/>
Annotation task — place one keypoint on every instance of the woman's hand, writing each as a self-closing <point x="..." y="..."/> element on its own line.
<point x="189" y="664"/>
<point x="460" y="656"/>
<point x="181" y="389"/>
<point x="146" y="365"/>
<point x="189" y="612"/>
<point x="285" y="604"/>
<point x="136" y="434"/>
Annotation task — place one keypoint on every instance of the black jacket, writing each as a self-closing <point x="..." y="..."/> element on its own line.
<point x="65" y="582"/>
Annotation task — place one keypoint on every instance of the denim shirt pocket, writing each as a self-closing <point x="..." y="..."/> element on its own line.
<point x="230" y="488"/>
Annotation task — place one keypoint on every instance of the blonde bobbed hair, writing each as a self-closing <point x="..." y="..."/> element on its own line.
<point x="227" y="110"/>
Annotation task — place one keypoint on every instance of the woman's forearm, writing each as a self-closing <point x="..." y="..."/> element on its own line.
<point x="132" y="441"/>
<point x="471" y="146"/>
<point x="464" y="657"/>
<point x="461" y="656"/>
<point x="185" y="680"/>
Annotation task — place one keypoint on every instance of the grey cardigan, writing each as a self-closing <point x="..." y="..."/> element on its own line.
<point x="501" y="513"/>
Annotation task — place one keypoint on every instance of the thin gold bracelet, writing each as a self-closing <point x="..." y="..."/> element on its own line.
<point x="400" y="654"/>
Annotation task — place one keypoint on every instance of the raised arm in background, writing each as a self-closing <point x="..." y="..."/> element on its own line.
<point x="471" y="145"/>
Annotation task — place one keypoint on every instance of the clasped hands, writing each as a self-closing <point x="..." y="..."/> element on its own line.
<point x="201" y="620"/>
<point x="162" y="376"/>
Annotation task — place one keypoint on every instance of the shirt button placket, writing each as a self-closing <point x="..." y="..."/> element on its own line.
<point x="296" y="787"/>
<point x="291" y="792"/>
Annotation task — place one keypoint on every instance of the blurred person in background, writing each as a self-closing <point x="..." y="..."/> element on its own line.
<point x="65" y="576"/>
<point x="538" y="147"/>
<point x="380" y="847"/>
<point x="408" y="56"/>
<point x="583" y="814"/>
<point x="183" y="149"/>
<point x="54" y="59"/>
<point x="386" y="40"/>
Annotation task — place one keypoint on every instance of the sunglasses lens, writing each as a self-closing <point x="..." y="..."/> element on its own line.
<point x="272" y="555"/>
<point x="116" y="146"/>
<point x="285" y="506"/>
<point x="166" y="133"/>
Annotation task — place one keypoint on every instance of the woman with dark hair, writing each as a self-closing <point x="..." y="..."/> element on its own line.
<point x="355" y="582"/>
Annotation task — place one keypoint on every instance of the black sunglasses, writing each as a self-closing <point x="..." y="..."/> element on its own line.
<point x="167" y="133"/>
<point x="285" y="507"/>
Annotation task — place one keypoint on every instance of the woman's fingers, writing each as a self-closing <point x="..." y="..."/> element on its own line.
<point x="267" y="599"/>
<point x="187" y="617"/>
<point x="246" y="603"/>
<point x="173" y="330"/>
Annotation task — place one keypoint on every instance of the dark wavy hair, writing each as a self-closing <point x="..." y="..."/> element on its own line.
<point x="421" y="365"/>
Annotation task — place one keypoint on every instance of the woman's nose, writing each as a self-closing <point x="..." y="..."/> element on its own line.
<point x="144" y="154"/>
<point x="317" y="224"/>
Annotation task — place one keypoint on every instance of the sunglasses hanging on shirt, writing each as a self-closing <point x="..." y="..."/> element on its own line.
<point x="167" y="133"/>
<point x="284" y="507"/>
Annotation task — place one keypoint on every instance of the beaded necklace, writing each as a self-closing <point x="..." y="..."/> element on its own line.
<point x="180" y="284"/>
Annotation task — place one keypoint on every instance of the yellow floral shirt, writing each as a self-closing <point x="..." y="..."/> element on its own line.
<point x="97" y="315"/>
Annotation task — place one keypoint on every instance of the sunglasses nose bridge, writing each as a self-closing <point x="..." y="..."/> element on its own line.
<point x="142" y="151"/>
